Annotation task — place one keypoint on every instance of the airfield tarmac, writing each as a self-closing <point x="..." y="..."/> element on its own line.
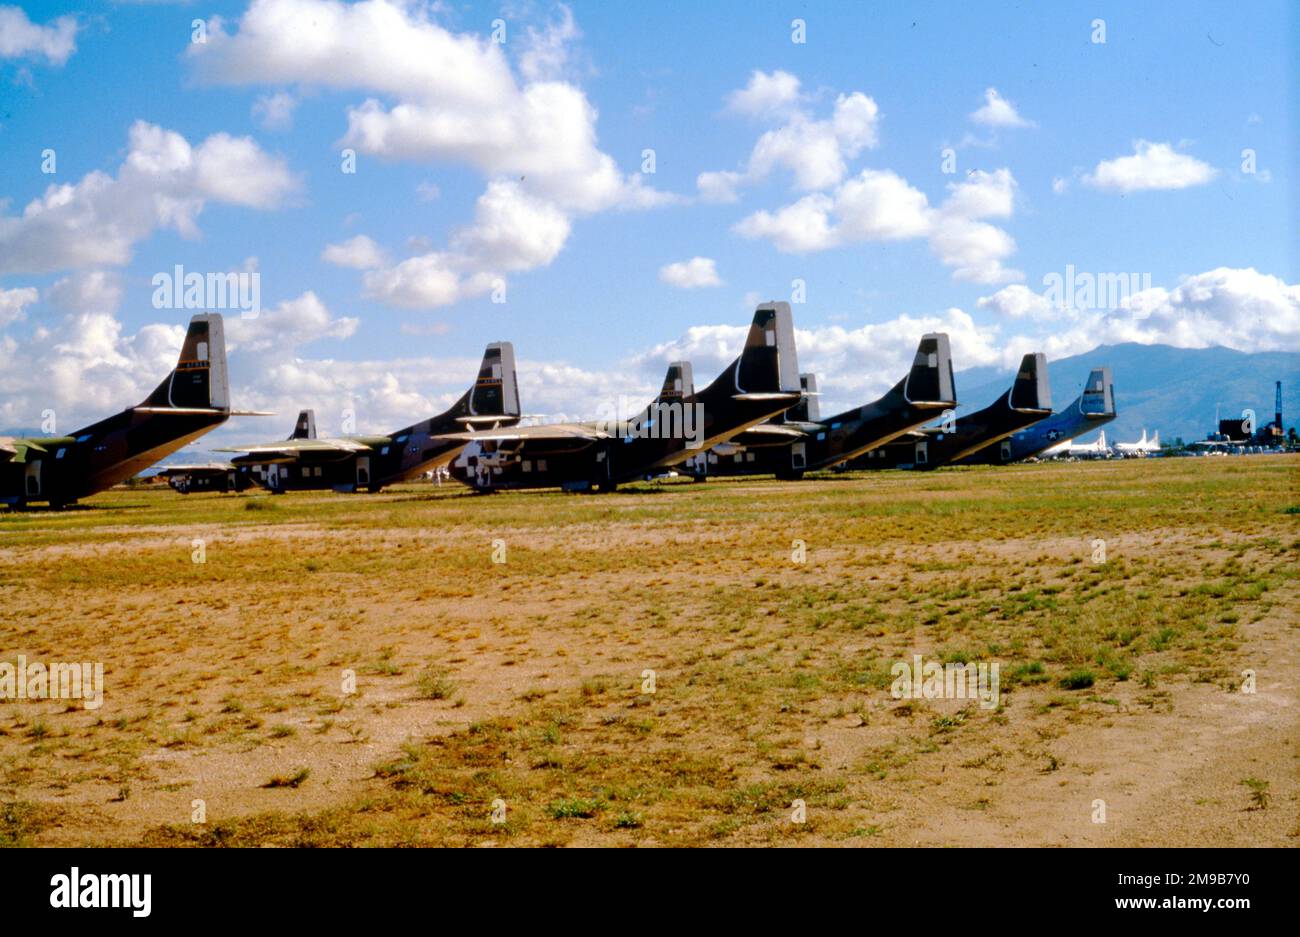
<point x="523" y="682"/>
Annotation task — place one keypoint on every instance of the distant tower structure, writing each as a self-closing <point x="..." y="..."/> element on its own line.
<point x="1273" y="434"/>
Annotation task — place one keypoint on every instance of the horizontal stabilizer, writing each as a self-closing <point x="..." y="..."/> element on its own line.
<point x="178" y="411"/>
<point x="486" y="420"/>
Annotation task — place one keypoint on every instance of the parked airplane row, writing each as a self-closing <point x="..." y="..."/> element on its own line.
<point x="759" y="416"/>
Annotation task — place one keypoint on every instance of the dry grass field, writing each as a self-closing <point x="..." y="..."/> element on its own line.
<point x="524" y="682"/>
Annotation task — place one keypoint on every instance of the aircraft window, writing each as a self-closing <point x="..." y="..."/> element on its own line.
<point x="541" y="465"/>
<point x="528" y="466"/>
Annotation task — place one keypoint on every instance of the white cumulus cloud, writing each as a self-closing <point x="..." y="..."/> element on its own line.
<point x="998" y="112"/>
<point x="21" y="38"/>
<point x="1152" y="166"/>
<point x="165" y="182"/>
<point x="441" y="96"/>
<point x="816" y="152"/>
<point x="879" y="205"/>
<point x="359" y="253"/>
<point x="275" y="111"/>
<point x="765" y="94"/>
<point x="691" y="274"/>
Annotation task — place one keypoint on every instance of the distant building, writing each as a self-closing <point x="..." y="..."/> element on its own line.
<point x="1235" y="430"/>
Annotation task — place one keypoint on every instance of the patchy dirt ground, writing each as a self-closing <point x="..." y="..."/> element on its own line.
<point x="765" y="618"/>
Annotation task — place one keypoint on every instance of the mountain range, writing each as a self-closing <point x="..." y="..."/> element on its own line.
<point x="1176" y="391"/>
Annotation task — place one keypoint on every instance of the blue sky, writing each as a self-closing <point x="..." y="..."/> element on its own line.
<point x="1122" y="156"/>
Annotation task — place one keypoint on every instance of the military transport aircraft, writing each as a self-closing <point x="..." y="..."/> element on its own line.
<point x="206" y="476"/>
<point x="1143" y="447"/>
<point x="799" y="441"/>
<point x="1098" y="449"/>
<point x="226" y="476"/>
<point x="599" y="455"/>
<point x="1093" y="408"/>
<point x="1028" y="401"/>
<point x="353" y="463"/>
<point x="193" y="399"/>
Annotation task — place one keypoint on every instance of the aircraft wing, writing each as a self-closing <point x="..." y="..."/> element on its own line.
<point x="192" y="469"/>
<point x="14" y="449"/>
<point x="555" y="432"/>
<point x="768" y="434"/>
<point x="774" y="431"/>
<point x="289" y="450"/>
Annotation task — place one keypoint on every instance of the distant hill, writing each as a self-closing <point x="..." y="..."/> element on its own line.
<point x="1159" y="387"/>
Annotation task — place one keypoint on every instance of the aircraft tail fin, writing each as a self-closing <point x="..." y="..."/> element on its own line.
<point x="666" y="410"/>
<point x="496" y="391"/>
<point x="1154" y="442"/>
<point x="679" y="382"/>
<point x="1098" y="398"/>
<point x="493" y="399"/>
<point x="1101" y="441"/>
<point x="807" y="410"/>
<point x="1032" y="391"/>
<point x="768" y="364"/>
<point x="305" y="428"/>
<point x="931" y="380"/>
<point x="200" y="380"/>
